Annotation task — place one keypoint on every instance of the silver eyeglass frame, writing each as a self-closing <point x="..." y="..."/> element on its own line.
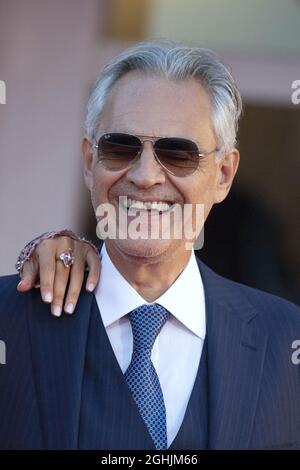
<point x="153" y="139"/>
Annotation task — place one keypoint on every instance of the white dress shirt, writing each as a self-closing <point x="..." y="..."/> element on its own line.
<point x="177" y="349"/>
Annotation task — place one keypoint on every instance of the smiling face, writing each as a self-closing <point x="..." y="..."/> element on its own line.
<point x="140" y="104"/>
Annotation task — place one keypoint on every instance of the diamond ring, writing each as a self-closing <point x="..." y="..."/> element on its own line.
<point x="67" y="257"/>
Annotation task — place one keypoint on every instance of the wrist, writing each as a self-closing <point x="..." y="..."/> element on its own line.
<point x="28" y="249"/>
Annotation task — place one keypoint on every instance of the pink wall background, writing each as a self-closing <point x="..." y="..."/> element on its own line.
<point x="50" y="53"/>
<point x="49" y="57"/>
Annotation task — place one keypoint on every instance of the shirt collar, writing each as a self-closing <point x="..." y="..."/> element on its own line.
<point x="184" y="299"/>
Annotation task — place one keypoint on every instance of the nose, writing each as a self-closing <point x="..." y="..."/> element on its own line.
<point x="146" y="171"/>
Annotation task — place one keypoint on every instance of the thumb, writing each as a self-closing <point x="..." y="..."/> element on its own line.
<point x="28" y="276"/>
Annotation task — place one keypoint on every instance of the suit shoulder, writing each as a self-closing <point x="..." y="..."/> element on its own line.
<point x="8" y="285"/>
<point x="269" y="306"/>
<point x="11" y="301"/>
<point x="8" y="280"/>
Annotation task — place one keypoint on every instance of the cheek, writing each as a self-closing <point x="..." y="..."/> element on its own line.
<point x="103" y="181"/>
<point x="201" y="191"/>
<point x="198" y="189"/>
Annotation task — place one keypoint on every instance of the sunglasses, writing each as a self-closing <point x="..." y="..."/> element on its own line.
<point x="178" y="156"/>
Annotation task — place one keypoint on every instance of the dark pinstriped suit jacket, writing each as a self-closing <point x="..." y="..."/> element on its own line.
<point x="254" y="387"/>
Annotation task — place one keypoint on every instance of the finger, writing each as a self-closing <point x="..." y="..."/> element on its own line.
<point x="76" y="280"/>
<point x="94" y="264"/>
<point x="59" y="288"/>
<point x="46" y="253"/>
<point x="28" y="276"/>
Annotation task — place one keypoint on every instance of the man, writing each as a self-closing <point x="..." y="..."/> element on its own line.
<point x="165" y="353"/>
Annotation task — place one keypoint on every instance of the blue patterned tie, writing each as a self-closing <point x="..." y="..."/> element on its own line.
<point x="146" y="322"/>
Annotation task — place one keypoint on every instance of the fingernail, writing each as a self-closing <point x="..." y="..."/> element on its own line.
<point x="91" y="287"/>
<point x="47" y="297"/>
<point x="69" y="308"/>
<point x="57" y="311"/>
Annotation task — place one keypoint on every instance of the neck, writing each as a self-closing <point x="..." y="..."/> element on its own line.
<point x="150" y="277"/>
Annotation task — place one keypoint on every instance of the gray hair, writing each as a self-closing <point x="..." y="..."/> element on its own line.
<point x="174" y="61"/>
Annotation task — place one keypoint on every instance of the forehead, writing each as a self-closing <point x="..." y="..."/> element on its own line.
<point x="152" y="105"/>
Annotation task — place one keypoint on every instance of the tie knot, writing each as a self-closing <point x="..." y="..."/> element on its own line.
<point x="146" y="322"/>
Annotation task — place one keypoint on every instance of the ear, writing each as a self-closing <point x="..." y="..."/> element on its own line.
<point x="88" y="161"/>
<point x="227" y="168"/>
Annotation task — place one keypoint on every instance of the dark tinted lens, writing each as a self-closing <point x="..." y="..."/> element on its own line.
<point x="180" y="156"/>
<point x="116" y="151"/>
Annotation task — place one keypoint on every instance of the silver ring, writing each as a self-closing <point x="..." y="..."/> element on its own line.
<point x="67" y="257"/>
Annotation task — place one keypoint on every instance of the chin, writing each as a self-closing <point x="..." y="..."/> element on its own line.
<point x="148" y="251"/>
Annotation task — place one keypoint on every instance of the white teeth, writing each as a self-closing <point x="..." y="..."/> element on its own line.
<point x="159" y="206"/>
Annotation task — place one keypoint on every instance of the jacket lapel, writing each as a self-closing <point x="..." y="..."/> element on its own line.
<point x="58" y="353"/>
<point x="236" y="351"/>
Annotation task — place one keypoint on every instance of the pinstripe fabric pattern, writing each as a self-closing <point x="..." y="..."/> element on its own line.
<point x="253" y="385"/>
<point x="18" y="400"/>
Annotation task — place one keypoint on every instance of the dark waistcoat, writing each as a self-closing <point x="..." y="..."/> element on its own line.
<point x="109" y="417"/>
